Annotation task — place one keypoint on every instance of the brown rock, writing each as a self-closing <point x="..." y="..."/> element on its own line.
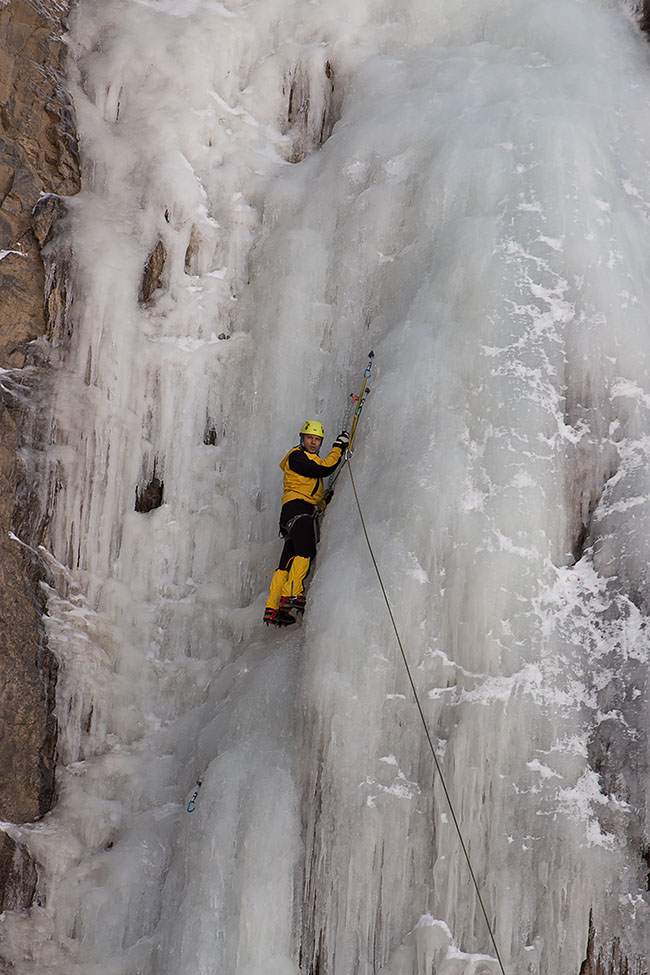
<point x="150" y="496"/>
<point x="27" y="671"/>
<point x="192" y="252"/>
<point x="47" y="211"/>
<point x="17" y="875"/>
<point x="608" y="958"/>
<point x="152" y="274"/>
<point x="645" y="16"/>
<point x="312" y="111"/>
<point x="37" y="158"/>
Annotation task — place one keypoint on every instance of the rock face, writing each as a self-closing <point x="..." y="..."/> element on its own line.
<point x="151" y="495"/>
<point x="645" y="16"/>
<point x="153" y="269"/>
<point x="313" y="106"/>
<point x="17" y="876"/>
<point x="37" y="157"/>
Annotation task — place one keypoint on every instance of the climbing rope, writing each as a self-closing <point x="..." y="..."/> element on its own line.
<point x="424" y="723"/>
<point x="353" y="412"/>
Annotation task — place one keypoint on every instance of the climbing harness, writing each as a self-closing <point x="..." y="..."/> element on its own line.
<point x="425" y="725"/>
<point x="286" y="529"/>
<point x="191" y="806"/>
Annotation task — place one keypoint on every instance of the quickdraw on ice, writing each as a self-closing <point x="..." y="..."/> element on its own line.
<point x="191" y="806"/>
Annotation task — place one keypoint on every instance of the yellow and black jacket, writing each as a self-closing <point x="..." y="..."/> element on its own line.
<point x="304" y="473"/>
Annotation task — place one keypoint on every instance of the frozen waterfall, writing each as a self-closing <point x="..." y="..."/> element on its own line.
<point x="463" y="186"/>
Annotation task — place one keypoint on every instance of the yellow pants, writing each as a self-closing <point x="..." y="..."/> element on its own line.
<point x="288" y="583"/>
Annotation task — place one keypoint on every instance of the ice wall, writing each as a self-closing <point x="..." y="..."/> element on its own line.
<point x="465" y="188"/>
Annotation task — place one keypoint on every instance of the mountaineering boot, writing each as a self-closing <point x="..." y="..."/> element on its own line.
<point x="289" y="603"/>
<point x="286" y="605"/>
<point x="276" y="613"/>
<point x="294" y="602"/>
<point x="278" y="617"/>
<point x="284" y="618"/>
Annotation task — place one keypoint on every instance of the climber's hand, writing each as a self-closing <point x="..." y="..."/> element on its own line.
<point x="342" y="440"/>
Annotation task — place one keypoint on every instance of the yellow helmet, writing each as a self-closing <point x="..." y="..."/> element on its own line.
<point x="312" y="428"/>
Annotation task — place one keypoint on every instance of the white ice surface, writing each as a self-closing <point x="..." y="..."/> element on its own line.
<point x="480" y="217"/>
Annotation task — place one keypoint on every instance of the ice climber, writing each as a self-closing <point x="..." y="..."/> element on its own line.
<point x="303" y="499"/>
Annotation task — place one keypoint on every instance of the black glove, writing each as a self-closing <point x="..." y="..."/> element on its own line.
<point x="342" y="440"/>
<point x="327" y="497"/>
